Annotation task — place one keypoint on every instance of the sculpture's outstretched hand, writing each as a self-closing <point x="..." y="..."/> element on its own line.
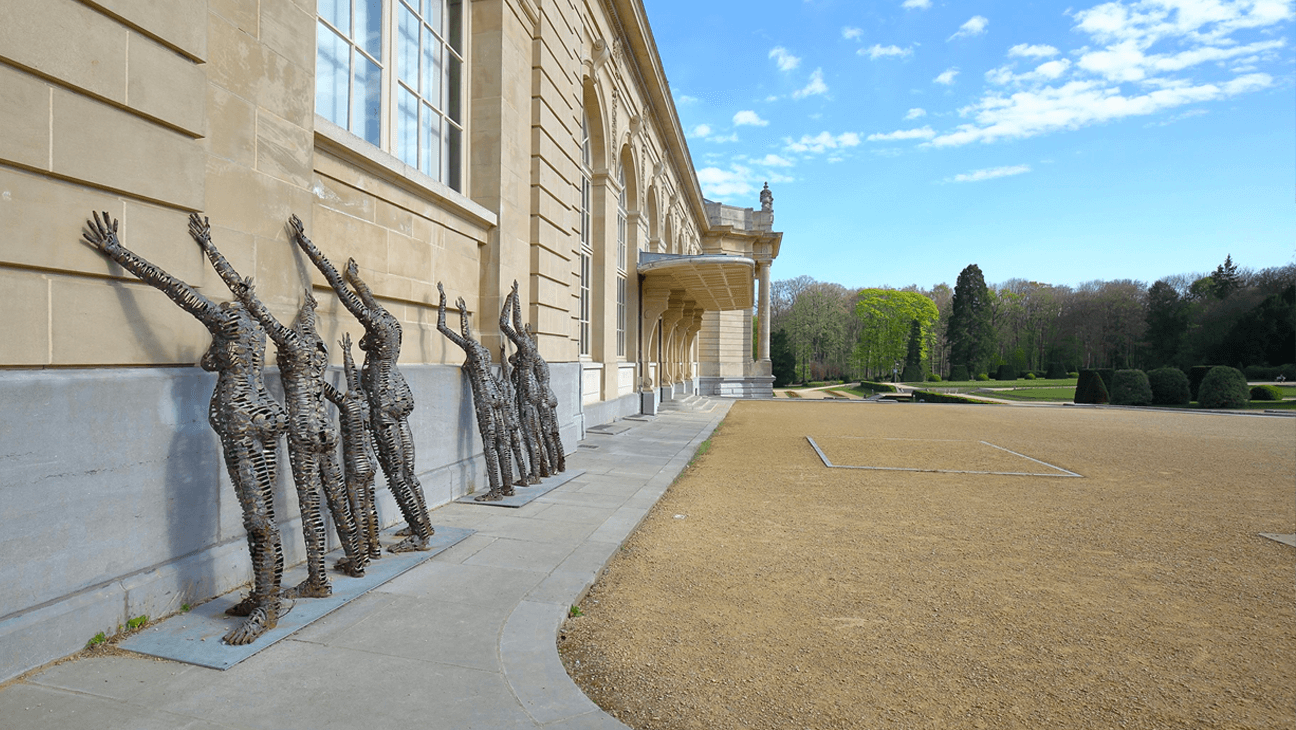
<point x="295" y="227"/>
<point x="352" y="271"/>
<point x="101" y="232"/>
<point x="243" y="289"/>
<point x="200" y="231"/>
<point x="443" y="296"/>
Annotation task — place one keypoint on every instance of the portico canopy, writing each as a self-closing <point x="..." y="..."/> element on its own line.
<point x="717" y="282"/>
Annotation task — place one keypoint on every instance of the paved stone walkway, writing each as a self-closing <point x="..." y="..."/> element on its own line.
<point x="465" y="640"/>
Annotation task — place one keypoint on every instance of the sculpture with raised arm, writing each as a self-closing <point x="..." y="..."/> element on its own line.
<point x="512" y="420"/>
<point x="529" y="396"/>
<point x="390" y="398"/>
<point x="488" y="401"/>
<point x="547" y="404"/>
<point x="247" y="419"/>
<point x="312" y="437"/>
<point x="357" y="451"/>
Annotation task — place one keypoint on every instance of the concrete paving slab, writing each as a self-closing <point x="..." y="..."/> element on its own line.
<point x="113" y="677"/>
<point x="532" y="667"/>
<point x="521" y="555"/>
<point x="610" y="429"/>
<point x="195" y="637"/>
<point x="25" y="707"/>
<point x="482" y="585"/>
<point x="1284" y="539"/>
<point x="526" y="495"/>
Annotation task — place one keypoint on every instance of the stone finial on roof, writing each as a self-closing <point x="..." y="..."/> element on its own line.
<point x="767" y="200"/>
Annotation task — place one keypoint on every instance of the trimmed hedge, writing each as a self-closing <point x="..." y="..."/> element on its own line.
<point x="911" y="374"/>
<point x="1169" y="387"/>
<point x="933" y="378"/>
<point x="1266" y="392"/>
<point x="1106" y="374"/>
<point x="930" y="396"/>
<point x="1224" y="387"/>
<point x="1257" y="372"/>
<point x="982" y="377"/>
<point x="1006" y="372"/>
<point x="1131" y="388"/>
<point x="1056" y="371"/>
<point x="878" y="387"/>
<point x="1090" y="388"/>
<point x="959" y="373"/>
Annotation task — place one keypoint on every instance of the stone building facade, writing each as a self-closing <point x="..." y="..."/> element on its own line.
<point x="471" y="142"/>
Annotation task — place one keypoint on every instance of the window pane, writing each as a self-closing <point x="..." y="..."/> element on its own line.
<point x="454" y="158"/>
<point x="431" y="142"/>
<point x="432" y="14"/>
<point x="332" y="72"/>
<point x="454" y="87"/>
<point x="407" y="46"/>
<point x="454" y="24"/>
<point x="337" y="12"/>
<point x="366" y="110"/>
<point x="432" y="70"/>
<point x="407" y="128"/>
<point x="368" y="26"/>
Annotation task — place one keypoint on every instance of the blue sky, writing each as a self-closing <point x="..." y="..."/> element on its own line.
<point x="1059" y="142"/>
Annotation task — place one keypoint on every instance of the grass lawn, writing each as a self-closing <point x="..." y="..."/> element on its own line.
<point x="1019" y="383"/>
<point x="1063" y="394"/>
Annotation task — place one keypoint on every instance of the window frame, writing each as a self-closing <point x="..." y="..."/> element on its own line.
<point x="586" y="238"/>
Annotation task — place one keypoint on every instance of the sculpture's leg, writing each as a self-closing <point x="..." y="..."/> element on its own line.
<point x="515" y="446"/>
<point x="487" y="428"/>
<point x="369" y="509"/>
<point x="387" y="439"/>
<point x="344" y="508"/>
<point x="252" y="470"/>
<point x="306" y="476"/>
<point x="502" y="432"/>
<point x="411" y="479"/>
<point x="535" y="449"/>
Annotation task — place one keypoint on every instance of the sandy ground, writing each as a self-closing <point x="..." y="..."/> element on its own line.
<point x="768" y="591"/>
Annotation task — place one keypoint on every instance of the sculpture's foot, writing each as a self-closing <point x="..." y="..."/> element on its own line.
<point x="259" y="621"/>
<point x="405" y="531"/>
<point x="411" y="544"/>
<point x="508" y="491"/>
<point x="491" y="496"/>
<point x="522" y="483"/>
<point x="375" y="552"/>
<point x="348" y="567"/>
<point x="307" y="589"/>
<point x="243" y="607"/>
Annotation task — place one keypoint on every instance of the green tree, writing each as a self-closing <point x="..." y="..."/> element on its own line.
<point x="1167" y="322"/>
<point x="782" y="361"/>
<point x="970" y="329"/>
<point x="886" y="316"/>
<point x="914" y="356"/>
<point x="1226" y="278"/>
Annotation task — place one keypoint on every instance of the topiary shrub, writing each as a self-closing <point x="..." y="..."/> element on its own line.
<point x="982" y="376"/>
<point x="959" y="373"/>
<point x="1131" y="388"/>
<point x="1090" y="388"/>
<point x="1006" y="372"/>
<point x="1030" y="376"/>
<point x="1266" y="392"/>
<point x="1055" y="371"/>
<point x="1223" y="387"/>
<point x="1073" y="374"/>
<point x="911" y="374"/>
<point x="1169" y="387"/>
<point x="933" y="378"/>
<point x="1196" y="374"/>
<point x="1106" y="374"/>
<point x="927" y="396"/>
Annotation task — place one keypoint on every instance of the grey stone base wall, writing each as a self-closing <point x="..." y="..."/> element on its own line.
<point x="610" y="410"/>
<point x="114" y="501"/>
<point x="749" y="387"/>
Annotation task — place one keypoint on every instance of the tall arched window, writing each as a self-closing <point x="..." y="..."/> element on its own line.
<point x="621" y="263"/>
<point x="586" y="233"/>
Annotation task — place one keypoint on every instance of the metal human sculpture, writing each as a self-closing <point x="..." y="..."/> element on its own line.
<point x="246" y="418"/>
<point x="527" y="393"/>
<point x="513" y="421"/>
<point x="312" y="437"/>
<point x="390" y="398"/>
<point x="545" y="400"/>
<point x="357" y="452"/>
<point x="488" y="402"/>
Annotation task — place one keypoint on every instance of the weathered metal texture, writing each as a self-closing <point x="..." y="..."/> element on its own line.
<point x="357" y="452"/>
<point x="390" y="398"/>
<point x="247" y="419"/>
<point x="312" y="437"/>
<point x="488" y="401"/>
<point x="513" y="420"/>
<point x="526" y="389"/>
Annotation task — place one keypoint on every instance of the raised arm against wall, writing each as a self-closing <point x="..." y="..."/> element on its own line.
<point x="349" y="299"/>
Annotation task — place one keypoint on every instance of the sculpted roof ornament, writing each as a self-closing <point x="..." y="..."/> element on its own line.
<point x="767" y="200"/>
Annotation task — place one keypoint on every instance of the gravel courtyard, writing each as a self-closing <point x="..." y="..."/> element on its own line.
<point x="766" y="590"/>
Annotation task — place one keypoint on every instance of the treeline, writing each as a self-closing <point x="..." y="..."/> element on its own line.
<point x="1232" y="316"/>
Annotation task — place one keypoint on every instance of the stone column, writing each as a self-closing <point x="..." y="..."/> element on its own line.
<point x="763" y="342"/>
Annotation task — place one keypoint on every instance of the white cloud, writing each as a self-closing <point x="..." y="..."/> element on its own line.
<point x="922" y="133"/>
<point x="701" y="130"/>
<point x="786" y="61"/>
<point x="920" y="4"/>
<point x="1023" y="50"/>
<point x="976" y="25"/>
<point x="749" y="118"/>
<point x="816" y="86"/>
<point x="722" y="138"/>
<point x="1125" y="61"/>
<point x="946" y="77"/>
<point x="851" y="34"/>
<point x="1203" y="21"/>
<point x="879" y="51"/>
<point x="989" y="173"/>
<point x="916" y="113"/>
<point x="718" y="184"/>
<point x="771" y="97"/>
<point x="686" y="99"/>
<point x="821" y="142"/>
<point x="1047" y="71"/>
<point x="1080" y="103"/>
<point x="773" y="160"/>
